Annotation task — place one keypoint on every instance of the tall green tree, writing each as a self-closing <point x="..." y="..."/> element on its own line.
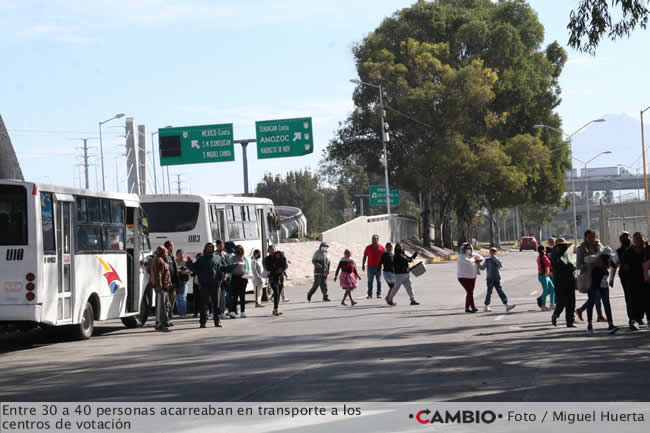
<point x="458" y="73"/>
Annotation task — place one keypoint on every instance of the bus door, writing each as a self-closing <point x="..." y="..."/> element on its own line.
<point x="218" y="223"/>
<point x="133" y="249"/>
<point x="262" y="230"/>
<point x="63" y="227"/>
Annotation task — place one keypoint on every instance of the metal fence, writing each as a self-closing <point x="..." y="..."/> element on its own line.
<point x="628" y="216"/>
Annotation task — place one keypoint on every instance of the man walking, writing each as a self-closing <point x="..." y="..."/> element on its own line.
<point x="275" y="265"/>
<point x="173" y="274"/>
<point x="372" y="254"/>
<point x="161" y="281"/>
<point x="321" y="262"/>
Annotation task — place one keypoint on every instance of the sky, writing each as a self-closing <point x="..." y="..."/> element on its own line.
<point x="69" y="64"/>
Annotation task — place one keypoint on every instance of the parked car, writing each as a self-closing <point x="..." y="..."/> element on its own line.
<point x="528" y="243"/>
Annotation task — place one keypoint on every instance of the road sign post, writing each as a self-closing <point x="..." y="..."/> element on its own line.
<point x="378" y="196"/>
<point x="283" y="138"/>
<point x="196" y="144"/>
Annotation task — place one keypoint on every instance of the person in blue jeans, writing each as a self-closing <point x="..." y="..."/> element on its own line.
<point x="372" y="254"/>
<point x="600" y="287"/>
<point x="493" y="279"/>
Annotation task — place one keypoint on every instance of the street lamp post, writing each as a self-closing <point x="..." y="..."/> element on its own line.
<point x="573" y="184"/>
<point x="101" y="146"/>
<point x="383" y="137"/>
<point x="645" y="174"/>
<point x="587" y="199"/>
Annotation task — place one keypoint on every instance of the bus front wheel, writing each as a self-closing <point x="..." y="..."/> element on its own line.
<point x="84" y="330"/>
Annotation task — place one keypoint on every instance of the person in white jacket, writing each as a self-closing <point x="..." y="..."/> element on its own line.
<point x="467" y="270"/>
<point x="258" y="277"/>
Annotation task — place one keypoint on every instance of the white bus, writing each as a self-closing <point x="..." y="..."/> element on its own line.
<point x="70" y="257"/>
<point x="190" y="221"/>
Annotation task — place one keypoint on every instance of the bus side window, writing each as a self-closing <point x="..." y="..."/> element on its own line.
<point x="47" y="221"/>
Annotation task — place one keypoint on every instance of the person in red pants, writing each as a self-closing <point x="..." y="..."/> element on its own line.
<point x="467" y="270"/>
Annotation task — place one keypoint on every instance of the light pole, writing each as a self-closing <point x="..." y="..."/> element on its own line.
<point x="101" y="146"/>
<point x="645" y="174"/>
<point x="587" y="198"/>
<point x="573" y="183"/>
<point x="383" y="137"/>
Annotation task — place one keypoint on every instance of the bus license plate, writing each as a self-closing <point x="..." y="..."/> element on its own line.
<point x="13" y="286"/>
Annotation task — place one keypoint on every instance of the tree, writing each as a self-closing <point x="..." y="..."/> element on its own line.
<point x="592" y="19"/>
<point x="459" y="75"/>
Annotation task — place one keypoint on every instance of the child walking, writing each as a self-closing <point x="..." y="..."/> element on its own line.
<point x="544" y="277"/>
<point x="493" y="279"/>
<point x="349" y="276"/>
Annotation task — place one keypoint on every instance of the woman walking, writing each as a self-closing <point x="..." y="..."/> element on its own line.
<point x="239" y="281"/>
<point x="349" y="276"/>
<point x="258" y="277"/>
<point x="184" y="281"/>
<point x="544" y="277"/>
<point x="402" y="274"/>
<point x="565" y="282"/>
<point x="466" y="272"/>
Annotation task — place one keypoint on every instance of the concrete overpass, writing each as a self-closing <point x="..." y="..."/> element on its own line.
<point x="612" y="183"/>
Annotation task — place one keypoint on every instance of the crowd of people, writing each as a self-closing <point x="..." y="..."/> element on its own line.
<point x="220" y="275"/>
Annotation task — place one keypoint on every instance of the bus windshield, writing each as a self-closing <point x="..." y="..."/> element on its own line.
<point x="13" y="215"/>
<point x="171" y="216"/>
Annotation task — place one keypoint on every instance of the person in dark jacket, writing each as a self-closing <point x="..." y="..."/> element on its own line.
<point x="161" y="282"/>
<point x="275" y="264"/>
<point x="565" y="282"/>
<point x="618" y="263"/>
<point x="209" y="268"/>
<point x="173" y="273"/>
<point x="387" y="264"/>
<point x="634" y="257"/>
<point x="402" y="275"/>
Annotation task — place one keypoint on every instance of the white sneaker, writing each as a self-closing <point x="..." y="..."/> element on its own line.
<point x="285" y="299"/>
<point x="232" y="315"/>
<point x="487" y="309"/>
<point x="510" y="307"/>
<point x="243" y="315"/>
<point x="545" y="308"/>
<point x="222" y="317"/>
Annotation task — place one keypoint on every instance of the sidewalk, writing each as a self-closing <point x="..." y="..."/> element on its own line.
<point x="300" y="253"/>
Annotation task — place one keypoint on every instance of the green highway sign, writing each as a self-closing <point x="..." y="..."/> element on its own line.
<point x="378" y="196"/>
<point x="196" y="144"/>
<point x="281" y="138"/>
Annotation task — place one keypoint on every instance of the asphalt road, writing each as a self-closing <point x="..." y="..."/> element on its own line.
<point x="326" y="352"/>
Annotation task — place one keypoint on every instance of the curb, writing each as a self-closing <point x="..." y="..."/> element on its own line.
<point x="441" y="259"/>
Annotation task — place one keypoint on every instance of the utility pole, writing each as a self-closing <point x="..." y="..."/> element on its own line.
<point x="85" y="158"/>
<point x="179" y="183"/>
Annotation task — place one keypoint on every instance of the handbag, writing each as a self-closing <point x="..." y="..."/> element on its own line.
<point x="418" y="269"/>
<point x="584" y="280"/>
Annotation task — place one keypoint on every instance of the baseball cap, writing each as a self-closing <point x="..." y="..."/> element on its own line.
<point x="621" y="234"/>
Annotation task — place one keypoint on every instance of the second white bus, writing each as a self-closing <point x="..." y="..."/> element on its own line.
<point x="190" y="221"/>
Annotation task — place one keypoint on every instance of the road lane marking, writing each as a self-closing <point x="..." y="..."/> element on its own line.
<point x="534" y="292"/>
<point x="499" y="317"/>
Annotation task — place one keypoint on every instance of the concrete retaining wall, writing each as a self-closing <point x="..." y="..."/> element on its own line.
<point x="394" y="228"/>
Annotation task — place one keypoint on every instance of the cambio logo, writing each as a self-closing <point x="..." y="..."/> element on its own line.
<point x="459" y="417"/>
